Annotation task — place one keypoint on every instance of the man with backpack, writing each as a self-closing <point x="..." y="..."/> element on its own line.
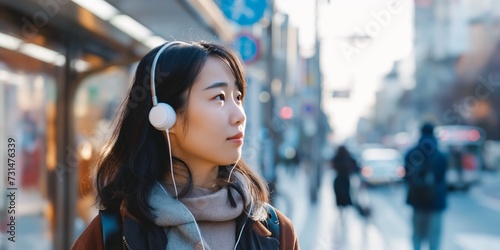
<point x="425" y="169"/>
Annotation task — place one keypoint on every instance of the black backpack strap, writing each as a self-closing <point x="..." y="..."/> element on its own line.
<point x="272" y="223"/>
<point x="111" y="225"/>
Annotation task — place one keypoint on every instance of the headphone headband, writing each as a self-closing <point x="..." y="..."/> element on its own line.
<point x="153" y="69"/>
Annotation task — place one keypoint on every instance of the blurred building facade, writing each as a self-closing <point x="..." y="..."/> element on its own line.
<point x="300" y="125"/>
<point x="454" y="77"/>
<point x="454" y="56"/>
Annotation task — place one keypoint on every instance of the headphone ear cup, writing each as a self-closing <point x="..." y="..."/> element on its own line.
<point x="162" y="116"/>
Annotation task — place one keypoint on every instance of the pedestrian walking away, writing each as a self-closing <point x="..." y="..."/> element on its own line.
<point x="425" y="169"/>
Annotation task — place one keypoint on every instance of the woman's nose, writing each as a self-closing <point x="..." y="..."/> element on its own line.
<point x="238" y="115"/>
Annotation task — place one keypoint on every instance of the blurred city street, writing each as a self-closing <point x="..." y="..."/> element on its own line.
<point x="325" y="81"/>
<point x="472" y="221"/>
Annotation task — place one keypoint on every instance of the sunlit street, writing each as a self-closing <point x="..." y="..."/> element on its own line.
<point x="470" y="223"/>
<point x="175" y="124"/>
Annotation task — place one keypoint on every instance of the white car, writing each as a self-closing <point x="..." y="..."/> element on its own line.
<point x="381" y="166"/>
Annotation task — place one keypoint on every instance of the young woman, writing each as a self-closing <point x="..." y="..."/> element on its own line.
<point x="172" y="173"/>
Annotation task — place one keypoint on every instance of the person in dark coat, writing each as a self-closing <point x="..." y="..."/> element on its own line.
<point x="344" y="165"/>
<point x="425" y="169"/>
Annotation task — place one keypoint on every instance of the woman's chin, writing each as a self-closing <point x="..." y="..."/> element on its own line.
<point x="232" y="160"/>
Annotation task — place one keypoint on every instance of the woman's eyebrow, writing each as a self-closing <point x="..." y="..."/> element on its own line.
<point x="217" y="85"/>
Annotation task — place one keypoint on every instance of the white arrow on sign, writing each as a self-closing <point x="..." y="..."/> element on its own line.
<point x="240" y="8"/>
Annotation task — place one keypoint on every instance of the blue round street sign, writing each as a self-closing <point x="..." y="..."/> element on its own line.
<point x="309" y="108"/>
<point x="243" y="12"/>
<point x="248" y="46"/>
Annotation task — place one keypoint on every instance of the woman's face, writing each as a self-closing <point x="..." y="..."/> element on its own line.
<point x="215" y="121"/>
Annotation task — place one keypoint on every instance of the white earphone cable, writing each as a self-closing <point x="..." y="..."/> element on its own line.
<point x="192" y="216"/>
<point x="239" y="236"/>
<point x="155" y="103"/>
<point x="172" y="165"/>
<point x="231" y="172"/>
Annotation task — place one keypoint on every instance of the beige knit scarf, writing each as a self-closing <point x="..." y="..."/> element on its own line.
<point x="215" y="217"/>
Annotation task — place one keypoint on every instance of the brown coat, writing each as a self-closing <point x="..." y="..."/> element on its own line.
<point x="91" y="238"/>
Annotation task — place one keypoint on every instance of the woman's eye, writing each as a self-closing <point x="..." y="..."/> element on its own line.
<point x="220" y="97"/>
<point x="239" y="97"/>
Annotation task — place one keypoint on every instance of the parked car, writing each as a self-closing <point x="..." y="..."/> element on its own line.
<point x="381" y="166"/>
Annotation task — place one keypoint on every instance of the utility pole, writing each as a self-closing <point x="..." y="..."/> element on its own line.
<point x="269" y="147"/>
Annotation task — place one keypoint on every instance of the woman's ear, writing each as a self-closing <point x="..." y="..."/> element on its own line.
<point x="175" y="129"/>
<point x="172" y="130"/>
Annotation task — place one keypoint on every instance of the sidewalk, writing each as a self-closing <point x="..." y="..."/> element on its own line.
<point x="486" y="192"/>
<point x="318" y="225"/>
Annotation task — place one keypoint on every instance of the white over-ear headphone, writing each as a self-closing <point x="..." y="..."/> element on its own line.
<point x="161" y="116"/>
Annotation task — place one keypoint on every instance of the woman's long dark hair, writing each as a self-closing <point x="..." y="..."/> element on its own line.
<point x="137" y="154"/>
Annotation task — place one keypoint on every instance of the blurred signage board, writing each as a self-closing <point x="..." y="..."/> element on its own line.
<point x="423" y="3"/>
<point x="248" y="46"/>
<point x="460" y="134"/>
<point x="341" y="93"/>
<point x="243" y="12"/>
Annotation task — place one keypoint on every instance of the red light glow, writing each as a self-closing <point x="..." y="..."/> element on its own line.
<point x="444" y="135"/>
<point x="474" y="135"/>
<point x="286" y="112"/>
<point x="400" y="172"/>
<point x="367" y="172"/>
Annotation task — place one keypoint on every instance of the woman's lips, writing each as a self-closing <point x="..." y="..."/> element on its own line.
<point x="238" y="138"/>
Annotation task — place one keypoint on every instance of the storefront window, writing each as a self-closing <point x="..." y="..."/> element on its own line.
<point x="27" y="100"/>
<point x="96" y="105"/>
<point x="58" y="116"/>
